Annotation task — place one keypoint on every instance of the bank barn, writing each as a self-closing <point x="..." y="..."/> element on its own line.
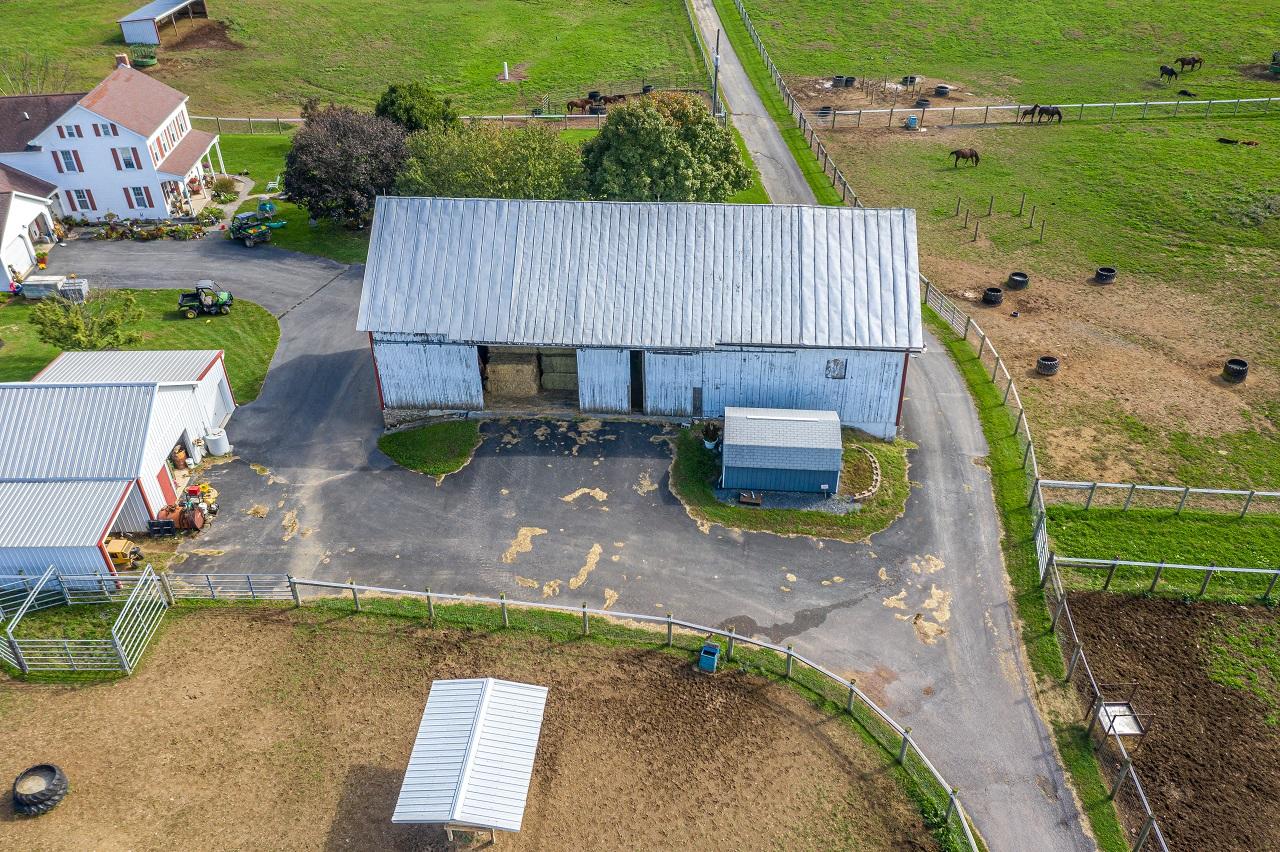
<point x="656" y="308"/>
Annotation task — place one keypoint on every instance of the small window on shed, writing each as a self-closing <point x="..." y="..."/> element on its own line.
<point x="836" y="368"/>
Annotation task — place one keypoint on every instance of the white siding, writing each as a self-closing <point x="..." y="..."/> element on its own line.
<point x="867" y="398"/>
<point x="33" y="560"/>
<point x="16" y="249"/>
<point x="428" y="375"/>
<point x="215" y="398"/>
<point x="604" y="380"/>
<point x="133" y="515"/>
<point x="139" y="32"/>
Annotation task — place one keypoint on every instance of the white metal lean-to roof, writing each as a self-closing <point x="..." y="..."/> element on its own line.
<point x="473" y="756"/>
<point x="165" y="366"/>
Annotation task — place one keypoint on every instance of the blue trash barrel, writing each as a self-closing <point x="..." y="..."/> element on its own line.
<point x="709" y="659"/>
<point x="913" y="122"/>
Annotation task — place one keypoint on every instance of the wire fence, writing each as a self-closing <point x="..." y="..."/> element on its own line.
<point x="1062" y="625"/>
<point x="1006" y="114"/>
<point x="816" y="147"/>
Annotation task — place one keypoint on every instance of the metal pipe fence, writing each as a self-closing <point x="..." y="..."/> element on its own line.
<point x="816" y="147"/>
<point x="1128" y="495"/>
<point x="1006" y="114"/>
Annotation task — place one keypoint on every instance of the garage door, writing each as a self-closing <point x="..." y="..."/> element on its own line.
<point x="19" y="254"/>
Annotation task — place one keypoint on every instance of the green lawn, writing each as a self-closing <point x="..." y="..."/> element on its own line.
<point x="695" y="469"/>
<point x="82" y="621"/>
<point x="325" y="238"/>
<point x="260" y="154"/>
<point x="436" y="449"/>
<point x="350" y="51"/>
<point x="756" y="193"/>
<point x="1063" y="52"/>
<point x="768" y="92"/>
<point x="249" y="335"/>
<point x="1248" y="660"/>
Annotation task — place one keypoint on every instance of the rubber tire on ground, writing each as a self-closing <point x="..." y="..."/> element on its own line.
<point x="224" y="310"/>
<point x="50" y="795"/>
<point x="37" y="810"/>
<point x="189" y="313"/>
<point x="248" y="243"/>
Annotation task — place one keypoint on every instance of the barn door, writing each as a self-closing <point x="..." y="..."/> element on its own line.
<point x="697" y="402"/>
<point x="637" y="380"/>
<point x="166" y="485"/>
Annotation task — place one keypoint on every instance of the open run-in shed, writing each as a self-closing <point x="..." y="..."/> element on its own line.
<point x="473" y="756"/>
<point x="660" y="308"/>
<point x="142" y="25"/>
<point x="774" y="449"/>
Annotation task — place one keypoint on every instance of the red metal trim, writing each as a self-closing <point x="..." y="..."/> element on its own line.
<point x="43" y="369"/>
<point x="102" y="546"/>
<point x="170" y="494"/>
<point x="377" y="376"/>
<point x="902" y="392"/>
<point x="209" y="366"/>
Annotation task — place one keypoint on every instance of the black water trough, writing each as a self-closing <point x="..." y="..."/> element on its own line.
<point x="992" y="296"/>
<point x="824" y="112"/>
<point x="1047" y="365"/>
<point x="942" y="90"/>
<point x="1235" y="370"/>
<point x="1018" y="281"/>
<point x="837" y="82"/>
<point x="849" y="81"/>
<point x="922" y="103"/>
<point x="1105" y="274"/>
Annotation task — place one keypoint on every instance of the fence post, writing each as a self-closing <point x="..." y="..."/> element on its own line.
<point x="951" y="806"/>
<point x="985" y="111"/>
<point x="1031" y="223"/>
<point x="1022" y="415"/>
<point x="1175" y="108"/>
<point x="124" y="661"/>
<point x="1031" y="501"/>
<point x="991" y="204"/>
<point x="1208" y="575"/>
<point x="1185" y="491"/>
<point x="968" y="321"/>
<point x="1237" y="109"/>
<point x="1208" y="107"/>
<point x="848" y="704"/>
<point x="293" y="590"/>
<point x="1144" y="108"/>
<point x="1026" y="454"/>
<point x="975" y="229"/>
<point x="1115" y="563"/>
<point x="1124" y="775"/>
<point x="248" y="579"/>
<point x="213" y="593"/>
<point x="1081" y="115"/>
<point x="1144" y="833"/>
<point x="729" y="652"/>
<point x="1092" y="490"/>
<point x="982" y="344"/>
<point x="251" y="125"/>
<point x="1247" y="501"/>
<point x="1042" y="224"/>
<point x="355" y="595"/>
<point x="957" y="213"/>
<point x="995" y="370"/>
<point x="790" y="659"/>
<point x="1053" y="625"/>
<point x="669" y="630"/>
<point x="906" y="741"/>
<point x="218" y="121"/>
<point x="1008" y="390"/>
<point x="891" y="109"/>
<point x="1022" y="204"/>
<point x="1075" y="658"/>
<point x="1127" y="500"/>
<point x="168" y="590"/>
<point x="1155" y="580"/>
<point x="502" y="602"/>
<point x="431" y="608"/>
<point x="966" y="217"/>
<point x="586" y="626"/>
<point x="17" y="653"/>
<point x="278" y="128"/>
<point x="1267" y="595"/>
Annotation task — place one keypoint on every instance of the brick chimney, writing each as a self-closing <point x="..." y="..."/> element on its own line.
<point x="122" y="59"/>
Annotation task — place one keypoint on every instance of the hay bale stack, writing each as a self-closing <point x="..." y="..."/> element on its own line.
<point x="513" y="374"/>
<point x="559" y="369"/>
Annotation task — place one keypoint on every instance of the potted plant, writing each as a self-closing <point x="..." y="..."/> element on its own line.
<point x="42" y="259"/>
<point x="710" y="434"/>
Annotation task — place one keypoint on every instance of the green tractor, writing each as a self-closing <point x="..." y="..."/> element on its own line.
<point x="205" y="299"/>
<point x="249" y="228"/>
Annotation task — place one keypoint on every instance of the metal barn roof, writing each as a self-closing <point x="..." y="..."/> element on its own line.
<point x="642" y="275"/>
<point x="181" y="366"/>
<point x="73" y="432"/>
<point x="57" y="514"/>
<point x="155" y="10"/>
<point x="473" y="756"/>
<point x="790" y="439"/>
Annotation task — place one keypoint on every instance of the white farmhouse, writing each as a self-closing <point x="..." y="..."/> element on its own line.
<point x="126" y="147"/>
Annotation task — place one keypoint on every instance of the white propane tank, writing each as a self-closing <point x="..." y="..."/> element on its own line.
<point x="217" y="442"/>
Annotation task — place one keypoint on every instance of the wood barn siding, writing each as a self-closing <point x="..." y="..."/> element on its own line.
<point x="428" y="375"/>
<point x="866" y="399"/>
<point x="604" y="380"/>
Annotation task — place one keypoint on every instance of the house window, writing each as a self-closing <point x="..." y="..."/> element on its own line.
<point x="837" y="368"/>
<point x="68" y="161"/>
<point x="127" y="160"/>
<point x="103" y="129"/>
<point x="72" y="131"/>
<point x="82" y="199"/>
<point x="139" y="197"/>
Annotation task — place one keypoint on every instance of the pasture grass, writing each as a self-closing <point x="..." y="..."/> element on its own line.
<point x="276" y="54"/>
<point x="1064" y="52"/>
<point x="436" y="449"/>
<point x="325" y="238"/>
<point x="1009" y="488"/>
<point x="260" y="154"/>
<point x="248" y="334"/>
<point x="1249" y="660"/>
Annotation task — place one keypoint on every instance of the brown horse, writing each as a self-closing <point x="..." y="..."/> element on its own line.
<point x="612" y="99"/>
<point x="1193" y="62"/>
<point x="970" y="154"/>
<point x="1029" y="112"/>
<point x="583" y="104"/>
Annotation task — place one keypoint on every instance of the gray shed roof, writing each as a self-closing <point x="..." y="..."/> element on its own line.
<point x="155" y="9"/>
<point x="642" y="275"/>
<point x="181" y="366"/>
<point x="57" y="514"/>
<point x="782" y="438"/>
<point x="473" y="756"/>
<point x="73" y="432"/>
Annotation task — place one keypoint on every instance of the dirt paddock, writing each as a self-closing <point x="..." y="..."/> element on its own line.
<point x="1211" y="764"/>
<point x="290" y="729"/>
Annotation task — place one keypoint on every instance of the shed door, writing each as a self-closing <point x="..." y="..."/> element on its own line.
<point x="18" y="252"/>
<point x="221" y="405"/>
<point x="166" y="485"/>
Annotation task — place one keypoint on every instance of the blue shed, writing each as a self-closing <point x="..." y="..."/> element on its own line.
<point x="782" y="449"/>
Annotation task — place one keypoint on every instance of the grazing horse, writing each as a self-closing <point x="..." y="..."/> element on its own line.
<point x="581" y="103"/>
<point x="1029" y="112"/>
<point x="1050" y="112"/>
<point x="1192" y="61"/>
<point x="1166" y="71"/>
<point x="970" y="154"/>
<point x="612" y="99"/>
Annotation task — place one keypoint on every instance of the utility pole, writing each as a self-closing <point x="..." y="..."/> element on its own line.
<point x="715" y="79"/>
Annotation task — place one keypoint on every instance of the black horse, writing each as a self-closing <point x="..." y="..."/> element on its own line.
<point x="1166" y="71"/>
<point x="1186" y="94"/>
<point x="970" y="154"/>
<point x="1049" y="112"/>
<point x="1193" y="62"/>
<point x="1029" y="112"/>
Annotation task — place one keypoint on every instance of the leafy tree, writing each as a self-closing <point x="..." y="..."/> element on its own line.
<point x="664" y="147"/>
<point x="484" y="161"/>
<point x="415" y="107"/>
<point x="100" y="322"/>
<point x="341" y="160"/>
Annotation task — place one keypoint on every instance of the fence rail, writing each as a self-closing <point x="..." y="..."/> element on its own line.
<point x="984" y="114"/>
<point x="1254" y="499"/>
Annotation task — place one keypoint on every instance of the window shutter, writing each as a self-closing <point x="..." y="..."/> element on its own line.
<point x="115" y="131"/>
<point x="79" y="132"/>
<point x="75" y="155"/>
<point x="115" y="155"/>
<point x="62" y="134"/>
<point x="147" y="191"/>
<point x="97" y="131"/>
<point x="57" y="161"/>
<point x="128" y="197"/>
<point x="89" y="194"/>
<point x="71" y="201"/>
<point x="137" y="160"/>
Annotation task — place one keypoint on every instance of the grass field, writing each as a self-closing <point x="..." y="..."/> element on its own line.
<point x="249" y="335"/>
<point x="695" y="469"/>
<point x="436" y="449"/>
<point x="272" y="55"/>
<point x="1063" y="52"/>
